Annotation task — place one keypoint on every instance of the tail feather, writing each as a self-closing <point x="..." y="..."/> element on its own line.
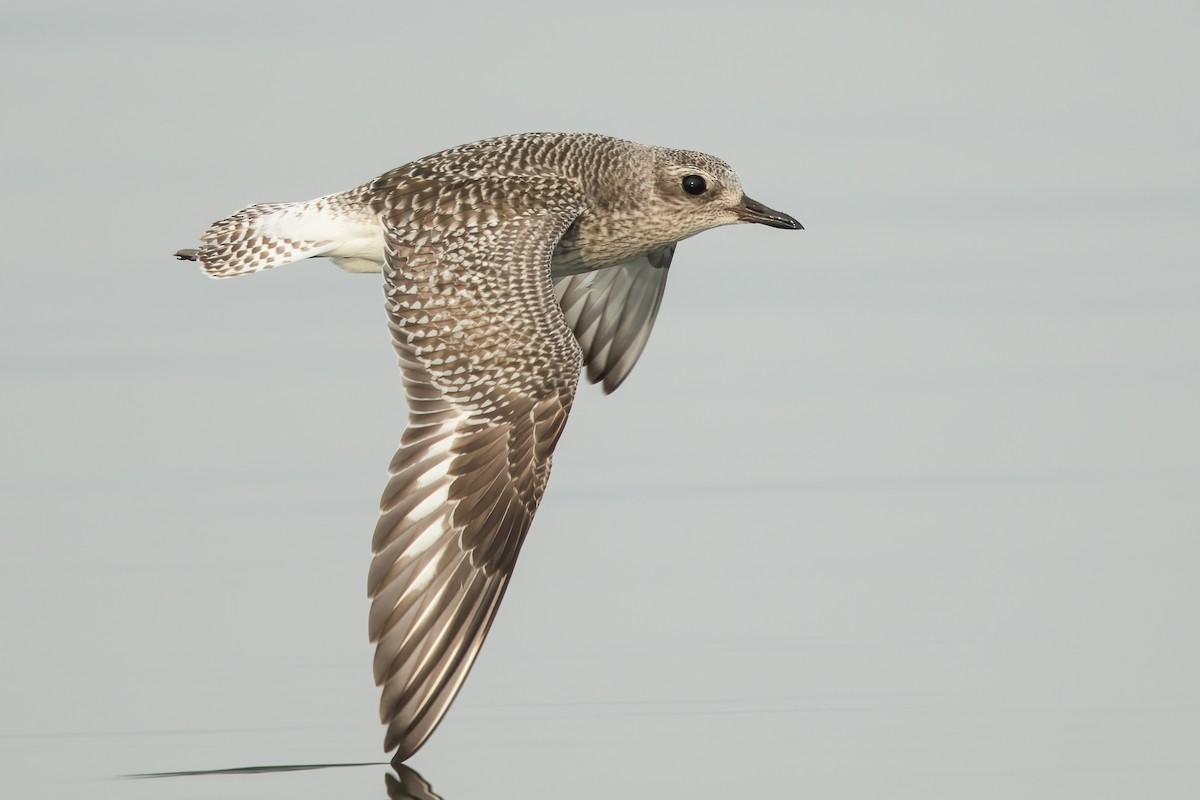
<point x="256" y="238"/>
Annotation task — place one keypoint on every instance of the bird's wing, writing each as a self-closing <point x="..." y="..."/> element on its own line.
<point x="490" y="370"/>
<point x="612" y="311"/>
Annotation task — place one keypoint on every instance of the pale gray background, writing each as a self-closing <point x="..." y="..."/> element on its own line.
<point x="901" y="506"/>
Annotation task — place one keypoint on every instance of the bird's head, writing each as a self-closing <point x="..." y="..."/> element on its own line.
<point x="697" y="192"/>
<point x="644" y="198"/>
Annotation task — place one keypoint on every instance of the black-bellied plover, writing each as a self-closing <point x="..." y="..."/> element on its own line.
<point x="508" y="265"/>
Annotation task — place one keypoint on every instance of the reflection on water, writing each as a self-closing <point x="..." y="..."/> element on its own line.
<point x="405" y="784"/>
<point x="254" y="770"/>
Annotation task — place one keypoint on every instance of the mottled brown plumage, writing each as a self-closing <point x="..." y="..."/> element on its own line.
<point x="508" y="265"/>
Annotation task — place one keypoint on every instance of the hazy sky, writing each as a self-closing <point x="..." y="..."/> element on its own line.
<point x="904" y="505"/>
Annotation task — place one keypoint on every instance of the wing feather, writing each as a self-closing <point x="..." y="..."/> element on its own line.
<point x="490" y="368"/>
<point x="612" y="312"/>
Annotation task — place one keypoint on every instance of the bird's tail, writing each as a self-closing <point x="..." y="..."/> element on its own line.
<point x="260" y="237"/>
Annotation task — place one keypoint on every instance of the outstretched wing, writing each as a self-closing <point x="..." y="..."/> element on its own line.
<point x="490" y="369"/>
<point x="612" y="311"/>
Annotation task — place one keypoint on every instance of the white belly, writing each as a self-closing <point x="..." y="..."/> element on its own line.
<point x="360" y="254"/>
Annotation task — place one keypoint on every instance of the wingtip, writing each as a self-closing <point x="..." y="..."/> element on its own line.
<point x="403" y="742"/>
<point x="607" y="376"/>
<point x="187" y="254"/>
<point x="611" y="383"/>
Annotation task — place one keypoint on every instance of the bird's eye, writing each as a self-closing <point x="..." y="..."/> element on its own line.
<point x="694" y="184"/>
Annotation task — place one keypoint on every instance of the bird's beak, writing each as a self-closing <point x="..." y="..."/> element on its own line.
<point x="754" y="211"/>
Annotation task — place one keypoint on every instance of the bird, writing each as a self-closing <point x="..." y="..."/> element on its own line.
<point x="510" y="265"/>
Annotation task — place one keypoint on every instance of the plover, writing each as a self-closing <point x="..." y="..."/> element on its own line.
<point x="509" y="264"/>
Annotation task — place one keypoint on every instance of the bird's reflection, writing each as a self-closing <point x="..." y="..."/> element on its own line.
<point x="404" y="784"/>
<point x="407" y="784"/>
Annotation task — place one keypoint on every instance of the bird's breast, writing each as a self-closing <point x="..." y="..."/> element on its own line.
<point x="586" y="247"/>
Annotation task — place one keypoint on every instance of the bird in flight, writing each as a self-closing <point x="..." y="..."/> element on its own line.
<point x="509" y="265"/>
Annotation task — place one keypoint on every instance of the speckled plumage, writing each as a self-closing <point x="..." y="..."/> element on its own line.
<point x="508" y="265"/>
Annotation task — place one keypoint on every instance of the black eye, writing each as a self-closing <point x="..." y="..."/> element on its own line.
<point x="694" y="184"/>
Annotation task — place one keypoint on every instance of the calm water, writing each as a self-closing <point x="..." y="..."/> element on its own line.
<point x="901" y="506"/>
